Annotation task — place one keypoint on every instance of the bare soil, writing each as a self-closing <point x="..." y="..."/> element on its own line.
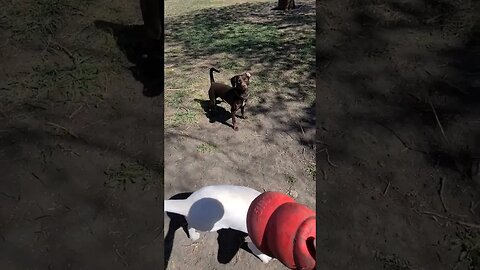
<point x="398" y="110"/>
<point x="81" y="145"/>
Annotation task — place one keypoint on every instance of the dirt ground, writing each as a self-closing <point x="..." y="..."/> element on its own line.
<point x="274" y="147"/>
<point x="398" y="108"/>
<point x="81" y="142"/>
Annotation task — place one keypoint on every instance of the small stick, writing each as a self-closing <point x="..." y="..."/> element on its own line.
<point x="63" y="128"/>
<point x="432" y="19"/>
<point x="91" y="124"/>
<point x="106" y="83"/>
<point x="38" y="178"/>
<point x="121" y="257"/>
<point x="473" y="206"/>
<point x="386" y="189"/>
<point x="75" y="112"/>
<point x="47" y="47"/>
<point x="463" y="223"/>
<point x="407" y="147"/>
<point x="442" y="184"/>
<point x="324" y="175"/>
<point x="303" y="132"/>
<point x="438" y="122"/>
<point x="65" y="50"/>
<point x="328" y="158"/>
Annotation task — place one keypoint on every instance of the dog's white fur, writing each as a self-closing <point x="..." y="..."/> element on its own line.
<point x="212" y="208"/>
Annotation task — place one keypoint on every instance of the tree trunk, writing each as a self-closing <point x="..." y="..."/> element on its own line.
<point x="286" y="4"/>
<point x="152" y="13"/>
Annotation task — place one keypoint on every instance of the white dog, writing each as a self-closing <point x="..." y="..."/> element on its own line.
<point x="212" y="208"/>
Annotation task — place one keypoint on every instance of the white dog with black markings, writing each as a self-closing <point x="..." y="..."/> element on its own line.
<point x="212" y="208"/>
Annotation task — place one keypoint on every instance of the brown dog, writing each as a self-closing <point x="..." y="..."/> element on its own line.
<point x="236" y="95"/>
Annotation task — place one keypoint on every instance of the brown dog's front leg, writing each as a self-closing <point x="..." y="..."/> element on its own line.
<point x="234" y="121"/>
<point x="243" y="112"/>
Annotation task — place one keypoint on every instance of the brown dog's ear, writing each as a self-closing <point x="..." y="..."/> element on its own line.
<point x="248" y="75"/>
<point x="233" y="80"/>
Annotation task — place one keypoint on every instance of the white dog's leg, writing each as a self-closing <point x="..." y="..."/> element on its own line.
<point x="265" y="258"/>
<point x="193" y="234"/>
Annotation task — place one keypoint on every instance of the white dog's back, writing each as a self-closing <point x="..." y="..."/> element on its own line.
<point x="215" y="207"/>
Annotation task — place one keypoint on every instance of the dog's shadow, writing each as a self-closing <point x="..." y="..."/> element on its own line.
<point x="229" y="241"/>
<point x="220" y="115"/>
<point x="131" y="41"/>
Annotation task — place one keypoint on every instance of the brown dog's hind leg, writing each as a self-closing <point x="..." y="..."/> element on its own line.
<point x="212" y="100"/>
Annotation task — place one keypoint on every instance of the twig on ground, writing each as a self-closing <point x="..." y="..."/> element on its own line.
<point x="64" y="129"/>
<point x="8" y="195"/>
<point x="463" y="223"/>
<point x="121" y="257"/>
<point x="38" y="178"/>
<point x="438" y="121"/>
<point x="407" y="147"/>
<point x="328" y="158"/>
<point x="65" y="50"/>
<point x="442" y="185"/>
<point x="293" y="139"/>
<point x="75" y="112"/>
<point x="473" y="206"/>
<point x="386" y="189"/>
<point x="324" y="175"/>
<point x="47" y="46"/>
<point x="301" y="128"/>
<point x="91" y="124"/>
<point x="432" y="19"/>
<point x="106" y="83"/>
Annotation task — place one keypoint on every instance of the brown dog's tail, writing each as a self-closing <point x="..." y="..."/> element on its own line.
<point x="212" y="80"/>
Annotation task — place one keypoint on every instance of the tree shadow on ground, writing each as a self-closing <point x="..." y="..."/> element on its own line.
<point x="130" y="40"/>
<point x="276" y="46"/>
<point x="83" y="206"/>
<point x="397" y="103"/>
<point x="365" y="67"/>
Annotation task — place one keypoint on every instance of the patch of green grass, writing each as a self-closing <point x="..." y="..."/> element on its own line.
<point x="312" y="171"/>
<point x="206" y="148"/>
<point x="177" y="98"/>
<point x="175" y="7"/>
<point x="183" y="117"/>
<point x="38" y="19"/>
<point x="290" y="179"/>
<point x="52" y="82"/>
<point x="232" y="37"/>
<point x="392" y="261"/>
<point x="132" y="173"/>
<point x="470" y="249"/>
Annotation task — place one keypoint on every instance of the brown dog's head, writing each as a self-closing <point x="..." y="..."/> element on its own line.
<point x="240" y="82"/>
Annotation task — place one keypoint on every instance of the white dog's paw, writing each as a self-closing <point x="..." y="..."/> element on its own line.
<point x="263" y="257"/>
<point x="193" y="234"/>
